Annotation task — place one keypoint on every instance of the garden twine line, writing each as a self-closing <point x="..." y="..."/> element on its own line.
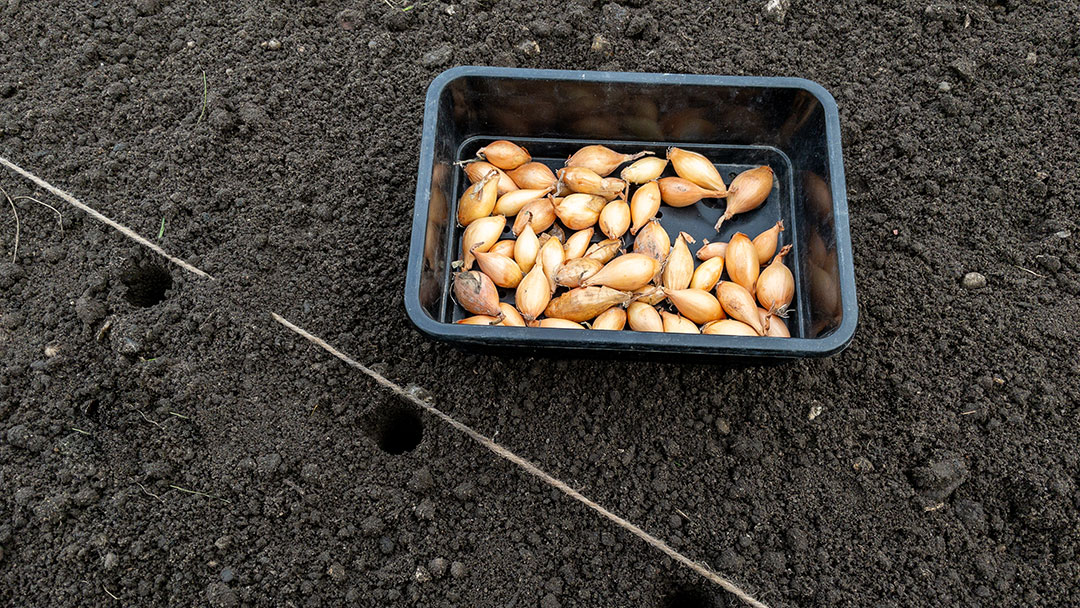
<point x="128" y="232"/>
<point x="412" y="397"/>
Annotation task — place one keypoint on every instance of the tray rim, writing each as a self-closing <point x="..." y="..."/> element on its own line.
<point x="642" y="342"/>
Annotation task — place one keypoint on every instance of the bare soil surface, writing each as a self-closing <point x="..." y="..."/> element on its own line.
<point x="163" y="442"/>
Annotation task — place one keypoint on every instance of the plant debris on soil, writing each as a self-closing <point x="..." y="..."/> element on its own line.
<point x="163" y="441"/>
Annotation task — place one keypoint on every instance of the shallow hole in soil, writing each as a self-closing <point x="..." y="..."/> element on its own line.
<point x="688" y="597"/>
<point x="146" y="284"/>
<point x="397" y="430"/>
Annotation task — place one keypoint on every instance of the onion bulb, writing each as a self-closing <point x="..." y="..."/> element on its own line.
<point x="741" y="261"/>
<point x="502" y="270"/>
<point x="679" y="268"/>
<point x="774" y="326"/>
<point x="533" y="175"/>
<point x="478" y="169"/>
<point x="679" y="192"/>
<point x="526" y="248"/>
<point x="552" y="255"/>
<point x="776" y="286"/>
<point x="511" y="317"/>
<point x="627" y="272"/>
<point x="533" y="293"/>
<point x="644" y="170"/>
<point x="711" y="250"/>
<point x="642" y="317"/>
<point x="479" y="320"/>
<point x="481" y="235"/>
<point x="477" y="294"/>
<point x="540" y="214"/>
<point x="587" y="181"/>
<point x="653" y="241"/>
<point x="511" y="203"/>
<point x="574" y="271"/>
<point x="504" y="154"/>
<point x="644" y="205"/>
<point x="503" y="247"/>
<point x="601" y="159"/>
<point x="675" y="324"/>
<point x="728" y="327"/>
<point x="707" y="274"/>
<point x="604" y="251"/>
<point x="556" y="324"/>
<point x="578" y="243"/>
<point x="696" y="168"/>
<point x="765" y="243"/>
<point x="825" y="292"/>
<point x="739" y="304"/>
<point x="613" y="318"/>
<point x="478" y="200"/>
<point x="579" y="211"/>
<point x="697" y="305"/>
<point x="584" y="303"/>
<point x="747" y="191"/>
<point x="650" y="294"/>
<point x="614" y="219"/>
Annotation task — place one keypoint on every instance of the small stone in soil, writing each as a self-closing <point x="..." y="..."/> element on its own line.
<point x="776" y="10"/>
<point x="974" y="280"/>
<point x="601" y="45"/>
<point x="529" y="47"/>
<point x="336" y="572"/>
<point x="964" y="68"/>
<point x="18" y="436"/>
<point x="457" y="570"/>
<point x="227" y="575"/>
<point x="422" y="575"/>
<point x="438" y="56"/>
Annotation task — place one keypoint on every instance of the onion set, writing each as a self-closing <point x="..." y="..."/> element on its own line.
<point x="591" y="251"/>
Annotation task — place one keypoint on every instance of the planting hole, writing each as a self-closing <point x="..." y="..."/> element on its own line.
<point x="398" y="430"/>
<point x="146" y="283"/>
<point x="687" y="597"/>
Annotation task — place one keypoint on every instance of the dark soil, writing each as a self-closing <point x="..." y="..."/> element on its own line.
<point x="941" y="471"/>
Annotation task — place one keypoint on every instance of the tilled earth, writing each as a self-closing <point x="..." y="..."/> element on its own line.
<point x="163" y="442"/>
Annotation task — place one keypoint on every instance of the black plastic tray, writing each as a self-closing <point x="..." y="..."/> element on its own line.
<point x="790" y="124"/>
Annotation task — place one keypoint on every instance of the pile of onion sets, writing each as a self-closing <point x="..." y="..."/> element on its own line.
<point x="570" y="268"/>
